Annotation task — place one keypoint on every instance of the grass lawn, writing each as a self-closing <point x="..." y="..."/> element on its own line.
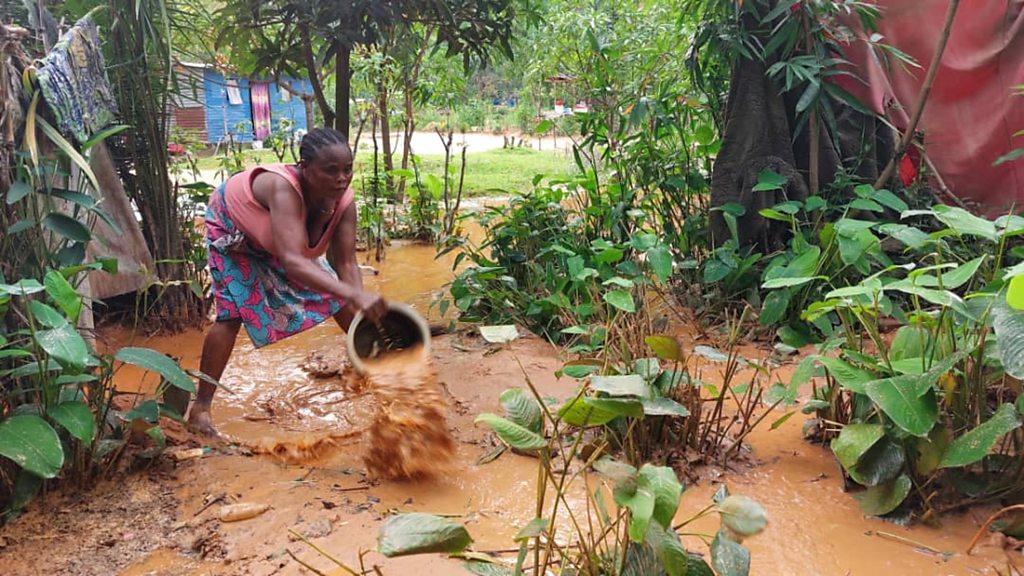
<point x="502" y="171"/>
<point x="487" y="173"/>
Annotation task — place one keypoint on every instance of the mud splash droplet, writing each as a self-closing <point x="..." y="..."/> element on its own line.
<point x="409" y="437"/>
<point x="301" y="450"/>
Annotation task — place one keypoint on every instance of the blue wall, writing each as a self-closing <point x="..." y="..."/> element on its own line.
<point x="222" y="117"/>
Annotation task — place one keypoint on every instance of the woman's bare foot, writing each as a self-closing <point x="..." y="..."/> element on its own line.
<point x="199" y="419"/>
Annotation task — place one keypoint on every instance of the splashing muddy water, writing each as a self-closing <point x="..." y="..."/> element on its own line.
<point x="409" y="437"/>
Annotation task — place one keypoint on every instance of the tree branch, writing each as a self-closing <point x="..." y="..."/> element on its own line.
<point x="314" y="77"/>
<point x="922" y="98"/>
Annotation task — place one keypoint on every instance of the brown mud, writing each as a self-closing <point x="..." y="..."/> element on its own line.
<point x="409" y="437"/>
<point x="162" y="519"/>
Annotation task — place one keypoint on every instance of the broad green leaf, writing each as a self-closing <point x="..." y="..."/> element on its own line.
<point x="22" y="287"/>
<point x="729" y="558"/>
<point x="865" y="204"/>
<point x="46" y="315"/>
<point x="58" y="288"/>
<point x="660" y="259"/>
<point x="499" y="334"/>
<point x="907" y="400"/>
<point x="1008" y="325"/>
<point x="962" y="274"/>
<point x="533" y="528"/>
<point x="621" y="299"/>
<point x="147" y="411"/>
<point x="647" y="368"/>
<point x="854" y="441"/>
<point x="628" y="385"/>
<point x="580" y="369"/>
<point x="418" y="533"/>
<point x="964" y="223"/>
<point x="880" y="500"/>
<point x="609" y="255"/>
<point x="521" y="408"/>
<point x="890" y="200"/>
<point x="743" y="515"/>
<point x="67" y="227"/>
<point x="774" y="308"/>
<point x="160" y="363"/>
<point x="622" y="476"/>
<point x="665" y="347"/>
<point x="976" y="444"/>
<point x="26" y="487"/>
<point x="849" y="377"/>
<point x="641" y="507"/>
<point x="768" y="181"/>
<point x="18" y="190"/>
<point x="663" y="484"/>
<point x="788" y="282"/>
<point x="620" y="282"/>
<point x="669" y="550"/>
<point x="32" y="444"/>
<point x="883" y="462"/>
<point x="940" y="297"/>
<point x="911" y="237"/>
<point x="662" y="406"/>
<point x="76" y="418"/>
<point x="1015" y="293"/>
<point x="587" y="411"/>
<point x="931" y="449"/>
<point x="511" y="433"/>
<point x="851" y="227"/>
<point x="64" y="345"/>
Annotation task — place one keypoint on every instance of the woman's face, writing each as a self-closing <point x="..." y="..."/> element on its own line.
<point x="329" y="174"/>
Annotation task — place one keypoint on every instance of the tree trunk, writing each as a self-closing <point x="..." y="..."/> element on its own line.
<point x="409" y="128"/>
<point x="385" y="132"/>
<point x="314" y="78"/>
<point x="342" y="87"/>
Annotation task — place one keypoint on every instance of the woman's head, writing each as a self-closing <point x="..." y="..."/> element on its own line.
<point x="326" y="162"/>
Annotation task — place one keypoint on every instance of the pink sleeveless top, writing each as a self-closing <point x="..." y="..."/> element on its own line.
<point x="254" y="220"/>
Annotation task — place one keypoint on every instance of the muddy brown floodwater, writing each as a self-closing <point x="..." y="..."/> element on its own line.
<point x="163" y="521"/>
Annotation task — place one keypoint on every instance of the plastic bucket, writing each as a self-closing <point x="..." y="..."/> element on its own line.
<point x="400" y="328"/>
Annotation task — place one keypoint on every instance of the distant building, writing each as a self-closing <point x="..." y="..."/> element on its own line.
<point x="212" y="105"/>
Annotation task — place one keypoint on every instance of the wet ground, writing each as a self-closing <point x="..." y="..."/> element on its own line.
<point x="163" y="519"/>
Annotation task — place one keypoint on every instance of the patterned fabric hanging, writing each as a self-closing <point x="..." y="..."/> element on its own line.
<point x="73" y="81"/>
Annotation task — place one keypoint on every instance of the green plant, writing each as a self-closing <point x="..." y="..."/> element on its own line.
<point x="282" y="140"/>
<point x="56" y="409"/>
<point x="422" y="218"/>
<point x="928" y="419"/>
<point x="561" y="265"/>
<point x="639" y="536"/>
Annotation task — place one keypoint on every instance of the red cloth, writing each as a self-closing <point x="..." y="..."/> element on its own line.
<point x="972" y="112"/>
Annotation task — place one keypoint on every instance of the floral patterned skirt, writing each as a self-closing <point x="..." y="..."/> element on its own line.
<point x="250" y="283"/>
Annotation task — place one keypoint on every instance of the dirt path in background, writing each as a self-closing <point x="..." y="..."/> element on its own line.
<point x="160" y="521"/>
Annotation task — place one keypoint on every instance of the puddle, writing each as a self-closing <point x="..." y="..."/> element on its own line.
<point x="814" y="527"/>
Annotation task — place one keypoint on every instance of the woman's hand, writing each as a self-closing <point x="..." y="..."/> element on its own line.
<point x="372" y="305"/>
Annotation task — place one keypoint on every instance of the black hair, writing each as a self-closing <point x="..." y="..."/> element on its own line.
<point x="317" y="139"/>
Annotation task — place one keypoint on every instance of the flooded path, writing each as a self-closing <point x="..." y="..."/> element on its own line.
<point x="814" y="527"/>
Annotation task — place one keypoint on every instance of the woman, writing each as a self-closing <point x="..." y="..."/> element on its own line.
<point x="267" y="230"/>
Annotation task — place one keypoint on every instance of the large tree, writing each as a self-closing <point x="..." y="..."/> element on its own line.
<point x="315" y="38"/>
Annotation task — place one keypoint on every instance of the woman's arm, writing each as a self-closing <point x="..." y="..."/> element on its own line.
<point x="290" y="238"/>
<point x="342" y="252"/>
